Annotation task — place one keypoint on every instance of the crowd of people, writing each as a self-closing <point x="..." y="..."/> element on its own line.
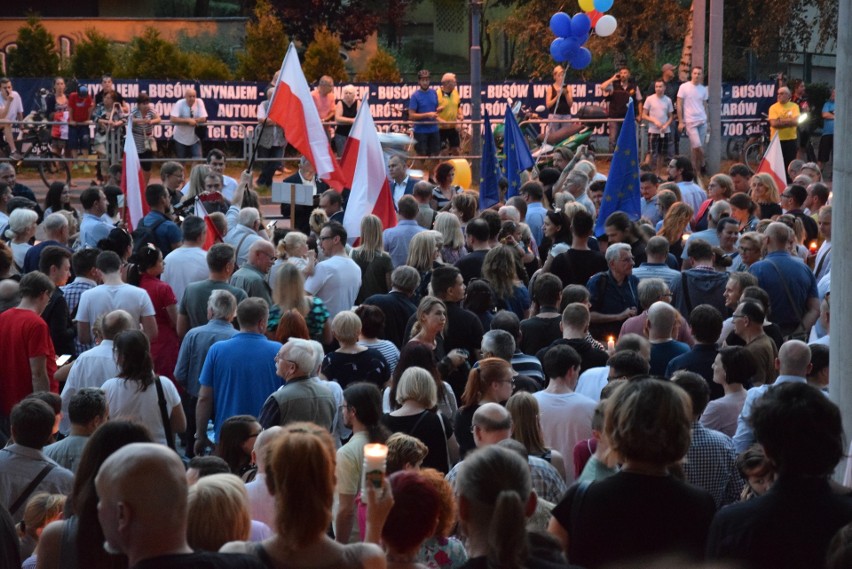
<point x="547" y="395"/>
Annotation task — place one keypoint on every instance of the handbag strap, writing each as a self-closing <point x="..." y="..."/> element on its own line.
<point x="22" y="499"/>
<point x="787" y="290"/>
<point x="446" y="444"/>
<point x="164" y="413"/>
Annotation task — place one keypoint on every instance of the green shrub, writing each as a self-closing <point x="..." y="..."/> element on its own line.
<point x="266" y="44"/>
<point x="323" y="58"/>
<point x="35" y="53"/>
<point x="381" y="67"/>
<point x="93" y="56"/>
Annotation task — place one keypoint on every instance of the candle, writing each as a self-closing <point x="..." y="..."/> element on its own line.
<point x="375" y="457"/>
<point x="684" y="237"/>
<point x="610" y="344"/>
<point x="813" y="247"/>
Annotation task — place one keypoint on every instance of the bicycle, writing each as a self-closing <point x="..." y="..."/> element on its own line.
<point x="37" y="152"/>
<point x="758" y="141"/>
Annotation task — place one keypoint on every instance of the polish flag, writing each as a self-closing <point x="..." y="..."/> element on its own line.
<point x="363" y="163"/>
<point x="132" y="182"/>
<point x="294" y="110"/>
<point x="213" y="235"/>
<point x="773" y="163"/>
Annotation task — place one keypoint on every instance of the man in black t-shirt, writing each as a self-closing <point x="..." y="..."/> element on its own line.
<point x="135" y="486"/>
<point x="619" y="89"/>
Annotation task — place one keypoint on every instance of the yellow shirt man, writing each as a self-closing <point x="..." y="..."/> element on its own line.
<point x="783" y="116"/>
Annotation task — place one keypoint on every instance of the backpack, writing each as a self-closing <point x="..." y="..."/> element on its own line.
<point x="144" y="235"/>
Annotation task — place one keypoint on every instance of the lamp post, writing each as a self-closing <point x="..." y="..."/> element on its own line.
<point x="475" y="85"/>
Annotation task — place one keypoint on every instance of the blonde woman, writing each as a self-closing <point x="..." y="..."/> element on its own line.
<point x="196" y="181"/>
<point x="345" y="112"/>
<point x="417" y="397"/>
<point x="423" y="255"/>
<point x="23" y="223"/>
<point x="674" y="225"/>
<point x="449" y="226"/>
<point x="764" y="192"/>
<point x="376" y="265"/>
<point x="526" y="429"/>
<point x="289" y="293"/>
<point x="220" y="497"/>
<point x="352" y="362"/>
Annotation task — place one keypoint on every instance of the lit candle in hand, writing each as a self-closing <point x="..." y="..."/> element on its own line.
<point x="375" y="459"/>
<point x="813" y="247"/>
<point x="610" y="344"/>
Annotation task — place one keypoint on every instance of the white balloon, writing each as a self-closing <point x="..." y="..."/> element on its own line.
<point x="605" y="26"/>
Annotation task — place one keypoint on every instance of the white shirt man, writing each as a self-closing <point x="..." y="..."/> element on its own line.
<point x="566" y="416"/>
<point x="658" y="109"/>
<point x="190" y="112"/>
<point x="188" y="263"/>
<point x="11" y="110"/>
<point x="337" y="279"/>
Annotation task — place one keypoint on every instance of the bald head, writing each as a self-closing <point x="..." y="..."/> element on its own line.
<point x="262" y="445"/>
<point x="135" y="485"/>
<point x="117" y="322"/>
<point x="794" y="358"/>
<point x="261" y="255"/>
<point x="661" y="320"/>
<point x="491" y="424"/>
<point x="777" y="236"/>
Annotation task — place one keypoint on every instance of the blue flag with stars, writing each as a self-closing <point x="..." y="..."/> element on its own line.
<point x="489" y="169"/>
<point x="622" y="185"/>
<point x="518" y="157"/>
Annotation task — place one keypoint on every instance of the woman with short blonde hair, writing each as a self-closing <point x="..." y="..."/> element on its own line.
<point x="449" y="226"/>
<point x="218" y="512"/>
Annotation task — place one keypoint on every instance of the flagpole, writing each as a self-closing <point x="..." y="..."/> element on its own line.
<point x="555" y="106"/>
<point x="254" y="148"/>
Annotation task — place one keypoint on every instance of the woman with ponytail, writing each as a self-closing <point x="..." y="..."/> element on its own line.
<point x="491" y="382"/>
<point x="165" y="347"/>
<point x="495" y="499"/>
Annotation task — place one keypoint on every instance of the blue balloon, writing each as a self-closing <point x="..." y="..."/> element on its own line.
<point x="556" y="49"/>
<point x="581" y="58"/>
<point x="569" y="47"/>
<point x="582" y="39"/>
<point x="603" y="5"/>
<point x="580" y="25"/>
<point x="560" y="24"/>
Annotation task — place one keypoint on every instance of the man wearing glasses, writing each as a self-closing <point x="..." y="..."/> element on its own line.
<point x="614" y="293"/>
<point x="298" y="399"/>
<point x="337" y="279"/>
<point x="251" y="276"/>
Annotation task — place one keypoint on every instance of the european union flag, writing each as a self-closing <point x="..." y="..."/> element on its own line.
<point x="489" y="169"/>
<point x="518" y="157"/>
<point x="622" y="186"/>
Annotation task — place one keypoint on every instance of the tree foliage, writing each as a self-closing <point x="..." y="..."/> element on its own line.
<point x="647" y="28"/>
<point x="93" y="56"/>
<point x="381" y="67"/>
<point x="351" y="20"/>
<point x="323" y="58"/>
<point x="152" y="57"/>
<point x="35" y="53"/>
<point x="208" y="67"/>
<point x="265" y="46"/>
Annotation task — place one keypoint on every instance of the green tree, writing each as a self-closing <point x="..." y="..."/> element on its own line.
<point x="152" y="57"/>
<point x="92" y="56"/>
<point x="351" y="20"/>
<point x="35" y="53"/>
<point x="205" y="66"/>
<point x="323" y="58"/>
<point x="381" y="67"/>
<point x="266" y="44"/>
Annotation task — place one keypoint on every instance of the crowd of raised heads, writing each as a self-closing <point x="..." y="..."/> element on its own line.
<point x="546" y="393"/>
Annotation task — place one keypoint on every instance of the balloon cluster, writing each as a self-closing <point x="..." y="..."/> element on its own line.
<point x="572" y="33"/>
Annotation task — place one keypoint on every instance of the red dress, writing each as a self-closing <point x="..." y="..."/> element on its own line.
<point x="164" y="350"/>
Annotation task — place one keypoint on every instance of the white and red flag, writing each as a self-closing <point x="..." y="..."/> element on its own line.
<point x="294" y="110"/>
<point x="213" y="235"/>
<point x="364" y="170"/>
<point x="773" y="163"/>
<point x="132" y="182"/>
